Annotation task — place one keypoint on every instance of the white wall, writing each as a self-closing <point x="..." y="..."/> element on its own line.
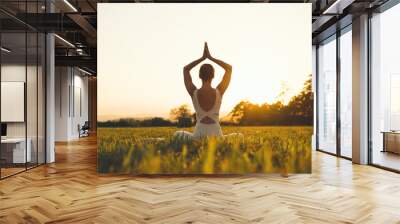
<point x="71" y="102"/>
<point x="62" y="81"/>
<point x="12" y="73"/>
<point x="80" y="109"/>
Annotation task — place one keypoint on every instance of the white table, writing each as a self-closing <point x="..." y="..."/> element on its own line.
<point x="18" y="144"/>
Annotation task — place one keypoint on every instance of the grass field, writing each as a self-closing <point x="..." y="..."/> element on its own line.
<point x="154" y="151"/>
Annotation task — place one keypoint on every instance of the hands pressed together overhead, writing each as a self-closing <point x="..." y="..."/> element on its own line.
<point x="206" y="52"/>
<point x="222" y="86"/>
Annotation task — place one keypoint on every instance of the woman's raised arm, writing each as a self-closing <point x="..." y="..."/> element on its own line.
<point x="223" y="85"/>
<point x="190" y="87"/>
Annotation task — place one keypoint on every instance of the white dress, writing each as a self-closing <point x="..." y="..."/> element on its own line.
<point x="202" y="130"/>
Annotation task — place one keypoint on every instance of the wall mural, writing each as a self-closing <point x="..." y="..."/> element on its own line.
<point x="204" y="88"/>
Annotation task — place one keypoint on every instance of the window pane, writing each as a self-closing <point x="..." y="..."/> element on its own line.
<point x="346" y="94"/>
<point x="327" y="96"/>
<point x="386" y="89"/>
<point x="14" y="153"/>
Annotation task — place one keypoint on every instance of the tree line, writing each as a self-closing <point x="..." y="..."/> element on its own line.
<point x="298" y="111"/>
<point x="132" y="122"/>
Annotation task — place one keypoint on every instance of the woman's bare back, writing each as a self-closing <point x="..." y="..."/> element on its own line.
<point x="206" y="98"/>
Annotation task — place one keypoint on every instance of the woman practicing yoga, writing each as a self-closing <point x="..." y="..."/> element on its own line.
<point x="206" y="100"/>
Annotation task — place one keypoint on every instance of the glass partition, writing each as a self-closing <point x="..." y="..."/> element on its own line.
<point x="14" y="153"/>
<point x="22" y="77"/>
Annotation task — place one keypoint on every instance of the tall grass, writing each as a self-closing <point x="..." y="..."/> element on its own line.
<point x="155" y="151"/>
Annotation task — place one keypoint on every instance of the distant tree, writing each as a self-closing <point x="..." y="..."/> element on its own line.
<point x="301" y="106"/>
<point x="180" y="111"/>
<point x="182" y="115"/>
<point x="284" y="90"/>
<point x="238" y="112"/>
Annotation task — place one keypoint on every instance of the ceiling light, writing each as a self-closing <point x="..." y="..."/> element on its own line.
<point x="338" y="6"/>
<point x="70" y="5"/>
<point x="333" y="6"/>
<point x="65" y="41"/>
<point x="79" y="51"/>
<point x="5" y="50"/>
<point x="84" y="71"/>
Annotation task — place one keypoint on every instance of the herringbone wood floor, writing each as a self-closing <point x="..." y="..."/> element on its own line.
<point x="70" y="191"/>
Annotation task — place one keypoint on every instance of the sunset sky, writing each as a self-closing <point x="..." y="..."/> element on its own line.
<point x="142" y="49"/>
